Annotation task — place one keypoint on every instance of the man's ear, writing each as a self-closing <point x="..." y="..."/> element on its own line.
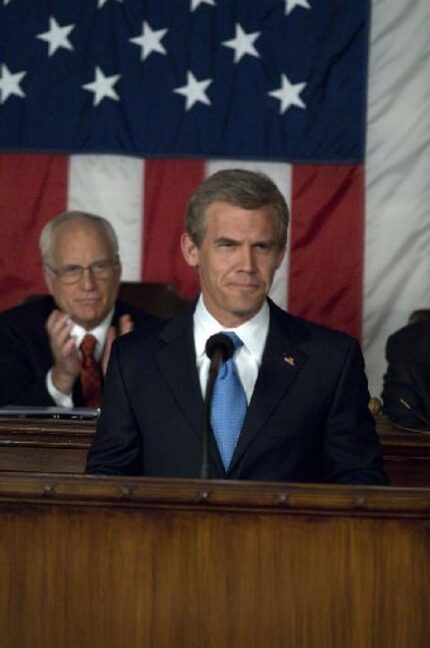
<point x="48" y="279"/>
<point x="119" y="269"/>
<point x="189" y="250"/>
<point x="282" y="253"/>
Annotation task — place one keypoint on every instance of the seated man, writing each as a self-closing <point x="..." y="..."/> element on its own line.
<point x="291" y="404"/>
<point x="406" y="392"/>
<point x="47" y="356"/>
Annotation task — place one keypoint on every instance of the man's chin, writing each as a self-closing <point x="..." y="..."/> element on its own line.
<point x="88" y="318"/>
<point x="250" y="294"/>
<point x="247" y="303"/>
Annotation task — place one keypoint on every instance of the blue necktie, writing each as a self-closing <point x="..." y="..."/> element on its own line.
<point x="229" y="405"/>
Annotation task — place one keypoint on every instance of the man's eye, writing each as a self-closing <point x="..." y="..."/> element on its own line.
<point x="70" y="269"/>
<point x="100" y="265"/>
<point x="264" y="246"/>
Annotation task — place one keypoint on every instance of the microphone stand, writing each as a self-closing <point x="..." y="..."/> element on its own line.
<point x="216" y="362"/>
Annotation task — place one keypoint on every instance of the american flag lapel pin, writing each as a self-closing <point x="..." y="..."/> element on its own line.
<point x="289" y="360"/>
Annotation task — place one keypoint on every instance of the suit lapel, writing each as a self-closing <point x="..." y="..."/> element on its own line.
<point x="177" y="362"/>
<point x="281" y="362"/>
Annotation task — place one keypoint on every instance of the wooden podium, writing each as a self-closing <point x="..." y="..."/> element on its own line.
<point x="90" y="562"/>
<point x="61" y="446"/>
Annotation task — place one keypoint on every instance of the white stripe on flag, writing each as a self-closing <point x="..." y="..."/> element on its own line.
<point x="112" y="186"/>
<point x="397" y="245"/>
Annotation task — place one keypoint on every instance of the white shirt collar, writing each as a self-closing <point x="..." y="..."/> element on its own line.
<point x="253" y="333"/>
<point x="100" y="333"/>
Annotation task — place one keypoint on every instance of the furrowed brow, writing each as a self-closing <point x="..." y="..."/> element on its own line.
<point x="222" y="240"/>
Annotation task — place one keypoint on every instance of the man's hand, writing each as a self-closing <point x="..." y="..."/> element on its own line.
<point x="67" y="360"/>
<point x="125" y="325"/>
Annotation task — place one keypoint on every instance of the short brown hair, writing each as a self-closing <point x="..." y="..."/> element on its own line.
<point x="246" y="189"/>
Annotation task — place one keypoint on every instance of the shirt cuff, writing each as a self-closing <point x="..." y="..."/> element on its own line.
<point x="60" y="399"/>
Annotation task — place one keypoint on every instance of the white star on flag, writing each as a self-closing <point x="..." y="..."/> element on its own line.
<point x="288" y="94"/>
<point x="194" y="91"/>
<point x="9" y="83"/>
<point x="150" y="40"/>
<point x="292" y="4"/>
<point x="102" y="86"/>
<point x="242" y="44"/>
<point x="197" y="3"/>
<point x="101" y="3"/>
<point x="56" y="37"/>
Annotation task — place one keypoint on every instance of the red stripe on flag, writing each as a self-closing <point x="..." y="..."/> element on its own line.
<point x="326" y="262"/>
<point x="33" y="189"/>
<point x="168" y="187"/>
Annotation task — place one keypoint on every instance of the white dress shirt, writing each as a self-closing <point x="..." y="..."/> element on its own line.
<point x="247" y="358"/>
<point x="78" y="333"/>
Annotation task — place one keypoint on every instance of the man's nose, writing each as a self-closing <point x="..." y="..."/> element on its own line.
<point x="247" y="258"/>
<point x="87" y="281"/>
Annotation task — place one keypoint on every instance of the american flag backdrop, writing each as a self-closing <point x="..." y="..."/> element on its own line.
<point x="121" y="107"/>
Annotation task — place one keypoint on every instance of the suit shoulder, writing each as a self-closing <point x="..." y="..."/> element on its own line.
<point x="31" y="313"/>
<point x="154" y="335"/>
<point x="302" y="330"/>
<point x="145" y="334"/>
<point x="140" y="317"/>
<point x="409" y="344"/>
<point x="411" y="334"/>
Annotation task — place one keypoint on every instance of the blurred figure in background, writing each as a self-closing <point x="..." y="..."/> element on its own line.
<point x="406" y="392"/>
<point x="54" y="349"/>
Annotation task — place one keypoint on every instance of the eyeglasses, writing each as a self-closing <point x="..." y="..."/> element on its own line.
<point x="70" y="274"/>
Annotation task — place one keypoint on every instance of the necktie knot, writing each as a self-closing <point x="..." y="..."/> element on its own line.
<point x="227" y="365"/>
<point x="88" y="345"/>
<point x="237" y="342"/>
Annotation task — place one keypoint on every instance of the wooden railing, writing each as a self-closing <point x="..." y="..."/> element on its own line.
<point x="61" y="446"/>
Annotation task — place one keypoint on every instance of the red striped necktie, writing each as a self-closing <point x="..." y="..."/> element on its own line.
<point x="90" y="376"/>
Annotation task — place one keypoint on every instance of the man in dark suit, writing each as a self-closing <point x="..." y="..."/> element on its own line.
<point x="406" y="392"/>
<point x="41" y="360"/>
<point x="307" y="418"/>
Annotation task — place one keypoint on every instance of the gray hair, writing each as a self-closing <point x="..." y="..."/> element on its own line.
<point x="239" y="187"/>
<point x="47" y="235"/>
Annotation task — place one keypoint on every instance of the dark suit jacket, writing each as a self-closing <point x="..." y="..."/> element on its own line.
<point x="308" y="419"/>
<point x="25" y="355"/>
<point x="408" y="375"/>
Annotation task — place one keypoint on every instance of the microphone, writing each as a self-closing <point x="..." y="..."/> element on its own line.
<point x="220" y="343"/>
<point x="219" y="348"/>
<point x="418" y="414"/>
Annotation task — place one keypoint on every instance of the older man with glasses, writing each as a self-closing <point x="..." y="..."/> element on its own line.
<point x="54" y="349"/>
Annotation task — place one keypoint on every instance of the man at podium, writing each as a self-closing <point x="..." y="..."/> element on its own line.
<point x="290" y="398"/>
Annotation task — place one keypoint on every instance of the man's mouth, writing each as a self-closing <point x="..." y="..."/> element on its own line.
<point x="88" y="302"/>
<point x="245" y="286"/>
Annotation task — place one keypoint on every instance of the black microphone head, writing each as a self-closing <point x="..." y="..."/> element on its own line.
<point x="220" y="342"/>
